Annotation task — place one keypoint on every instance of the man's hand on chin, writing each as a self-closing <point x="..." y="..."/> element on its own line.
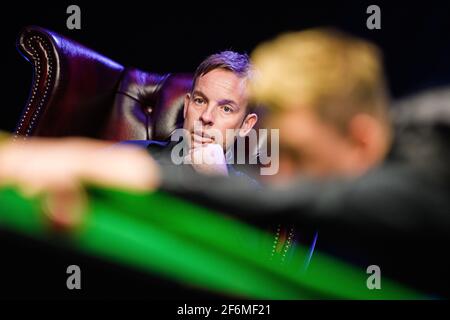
<point x="208" y="158"/>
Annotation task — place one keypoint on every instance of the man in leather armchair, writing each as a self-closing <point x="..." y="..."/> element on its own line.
<point x="218" y="102"/>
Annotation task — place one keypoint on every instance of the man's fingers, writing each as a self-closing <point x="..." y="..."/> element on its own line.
<point x="65" y="206"/>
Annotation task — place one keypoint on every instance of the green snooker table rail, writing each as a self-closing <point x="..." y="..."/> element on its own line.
<point x="164" y="235"/>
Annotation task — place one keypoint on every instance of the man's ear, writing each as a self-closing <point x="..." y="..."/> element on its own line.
<point x="248" y="123"/>
<point x="187" y="98"/>
<point x="370" y="137"/>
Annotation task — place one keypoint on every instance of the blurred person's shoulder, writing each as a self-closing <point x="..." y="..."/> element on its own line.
<point x="240" y="175"/>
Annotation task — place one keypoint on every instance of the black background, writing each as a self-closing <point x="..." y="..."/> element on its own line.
<point x="166" y="36"/>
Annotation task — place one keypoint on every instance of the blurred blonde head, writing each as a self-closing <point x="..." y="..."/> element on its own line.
<point x="334" y="74"/>
<point x="327" y="95"/>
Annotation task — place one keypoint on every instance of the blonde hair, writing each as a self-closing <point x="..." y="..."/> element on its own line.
<point x="335" y="74"/>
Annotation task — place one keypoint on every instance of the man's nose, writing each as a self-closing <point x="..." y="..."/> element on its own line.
<point x="207" y="116"/>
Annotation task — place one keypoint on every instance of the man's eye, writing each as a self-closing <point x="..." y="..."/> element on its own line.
<point x="227" y="109"/>
<point x="199" y="101"/>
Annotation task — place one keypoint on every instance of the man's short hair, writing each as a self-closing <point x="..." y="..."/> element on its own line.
<point x="238" y="63"/>
<point x="232" y="61"/>
<point x="334" y="74"/>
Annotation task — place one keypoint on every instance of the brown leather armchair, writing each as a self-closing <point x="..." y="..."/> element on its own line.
<point x="78" y="92"/>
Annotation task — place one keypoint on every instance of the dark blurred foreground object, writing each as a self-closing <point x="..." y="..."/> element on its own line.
<point x="396" y="216"/>
<point x="78" y="92"/>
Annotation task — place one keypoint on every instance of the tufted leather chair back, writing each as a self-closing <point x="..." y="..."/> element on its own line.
<point x="78" y="92"/>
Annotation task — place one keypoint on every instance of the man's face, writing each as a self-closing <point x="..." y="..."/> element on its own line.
<point x="218" y="102"/>
<point x="310" y="147"/>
